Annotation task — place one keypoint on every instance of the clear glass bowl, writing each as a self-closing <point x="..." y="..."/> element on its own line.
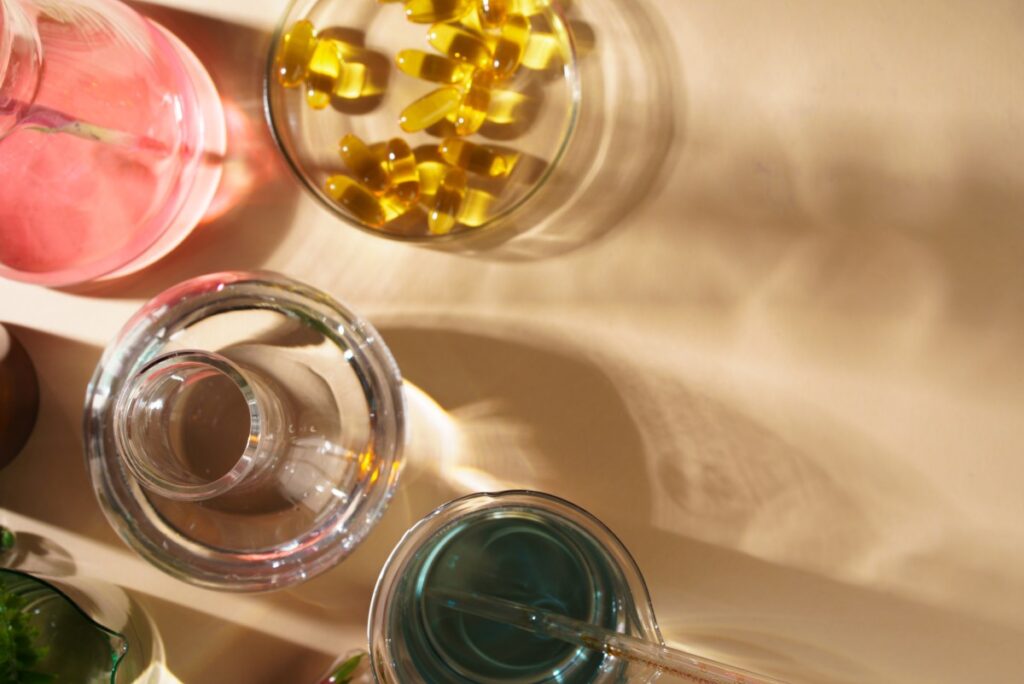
<point x="244" y="431"/>
<point x="111" y="139"/>
<point x="532" y="117"/>
<point x="521" y="546"/>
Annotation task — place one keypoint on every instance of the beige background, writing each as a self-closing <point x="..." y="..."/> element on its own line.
<point x="773" y="339"/>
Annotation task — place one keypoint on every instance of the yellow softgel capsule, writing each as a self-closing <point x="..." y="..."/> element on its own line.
<point x="475" y="158"/>
<point x="528" y="8"/>
<point x="430" y="168"/>
<point x="359" y="201"/>
<point x="492" y="12"/>
<point x="472" y="22"/>
<point x="444" y="209"/>
<point x="461" y="44"/>
<point x="506" y="106"/>
<point x="351" y="82"/>
<point x="430" y="109"/>
<point x="475" y="209"/>
<point x="294" y="52"/>
<point x="543" y="51"/>
<point x="400" y="164"/>
<point x="394" y="205"/>
<point x="472" y="111"/>
<point x="431" y="67"/>
<point x="433" y="11"/>
<point x="508" y="51"/>
<point x="363" y="163"/>
<point x="326" y="68"/>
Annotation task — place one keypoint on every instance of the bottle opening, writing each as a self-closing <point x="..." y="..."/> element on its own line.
<point x="189" y="427"/>
<point x="209" y="424"/>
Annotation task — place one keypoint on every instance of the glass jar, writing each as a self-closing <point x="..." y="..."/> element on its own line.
<point x="526" y="547"/>
<point x="244" y="431"/>
<point x="111" y="136"/>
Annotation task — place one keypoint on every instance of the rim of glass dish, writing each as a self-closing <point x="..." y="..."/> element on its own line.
<point x="452" y="511"/>
<point x="5" y="40"/>
<point x="120" y="654"/>
<point x="570" y="74"/>
<point x="142" y="527"/>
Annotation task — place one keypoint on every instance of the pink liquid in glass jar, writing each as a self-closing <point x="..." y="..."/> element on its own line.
<point x="111" y="137"/>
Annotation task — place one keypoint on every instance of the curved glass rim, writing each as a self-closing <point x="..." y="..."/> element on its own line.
<point x="570" y="73"/>
<point x="123" y="500"/>
<point x="6" y="38"/>
<point x="194" y="491"/>
<point x="120" y="654"/>
<point x="446" y="514"/>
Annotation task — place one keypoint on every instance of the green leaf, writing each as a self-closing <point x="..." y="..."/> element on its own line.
<point x="348" y="668"/>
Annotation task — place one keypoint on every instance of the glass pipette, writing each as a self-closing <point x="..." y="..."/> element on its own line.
<point x="688" y="667"/>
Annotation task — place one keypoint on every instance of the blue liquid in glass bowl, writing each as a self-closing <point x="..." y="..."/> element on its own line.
<point x="523" y="554"/>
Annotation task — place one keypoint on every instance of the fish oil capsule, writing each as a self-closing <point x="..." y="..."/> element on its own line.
<point x="357" y="199"/>
<point x="528" y="8"/>
<point x="472" y="21"/>
<point x="543" y="51"/>
<point x="328" y="73"/>
<point x="444" y="209"/>
<point x="430" y="168"/>
<point x="475" y="158"/>
<point x="475" y="209"/>
<point x="433" y="11"/>
<point x="400" y="164"/>
<point x="294" y="52"/>
<point x="492" y="12"/>
<point x="429" y="109"/>
<point x="472" y="110"/>
<point x="351" y="81"/>
<point x="394" y="205"/>
<point x="508" y="51"/>
<point x="363" y="163"/>
<point x="430" y="67"/>
<point x="506" y="106"/>
<point x="459" y="43"/>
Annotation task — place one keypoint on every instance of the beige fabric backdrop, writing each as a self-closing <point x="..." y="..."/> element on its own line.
<point x="772" y="337"/>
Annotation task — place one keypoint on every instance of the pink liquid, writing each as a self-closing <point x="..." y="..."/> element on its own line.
<point x="73" y="209"/>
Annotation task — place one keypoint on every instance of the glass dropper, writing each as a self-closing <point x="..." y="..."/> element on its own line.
<point x="687" y="666"/>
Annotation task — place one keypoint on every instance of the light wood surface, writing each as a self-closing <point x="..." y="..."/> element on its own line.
<point x="775" y="342"/>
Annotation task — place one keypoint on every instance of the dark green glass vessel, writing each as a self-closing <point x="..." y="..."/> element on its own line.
<point x="46" y="637"/>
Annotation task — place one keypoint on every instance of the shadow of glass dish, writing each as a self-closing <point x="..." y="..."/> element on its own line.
<point x="629" y="127"/>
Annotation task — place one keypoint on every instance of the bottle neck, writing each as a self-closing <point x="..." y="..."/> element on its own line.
<point x="192" y="426"/>
<point x="21" y="58"/>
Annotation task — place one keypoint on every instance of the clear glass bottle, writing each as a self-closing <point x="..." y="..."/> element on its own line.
<point x="19" y="397"/>
<point x="111" y="136"/>
<point x="244" y="431"/>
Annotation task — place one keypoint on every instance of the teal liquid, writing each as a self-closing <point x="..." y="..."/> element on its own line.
<point x="514" y="555"/>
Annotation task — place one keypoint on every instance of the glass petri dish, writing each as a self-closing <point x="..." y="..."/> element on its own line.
<point x="530" y="121"/>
